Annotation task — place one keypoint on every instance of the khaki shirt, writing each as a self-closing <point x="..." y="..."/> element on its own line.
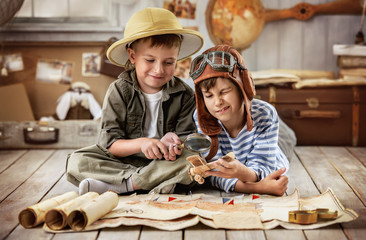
<point x="123" y="110"/>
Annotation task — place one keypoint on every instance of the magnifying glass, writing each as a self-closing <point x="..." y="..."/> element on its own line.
<point x="196" y="142"/>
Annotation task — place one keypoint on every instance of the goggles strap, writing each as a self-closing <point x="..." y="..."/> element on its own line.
<point x="214" y="147"/>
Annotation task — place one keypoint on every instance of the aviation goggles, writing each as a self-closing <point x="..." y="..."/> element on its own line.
<point x="218" y="60"/>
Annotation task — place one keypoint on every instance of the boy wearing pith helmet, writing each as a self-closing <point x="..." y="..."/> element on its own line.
<point x="146" y="111"/>
<point x="238" y="123"/>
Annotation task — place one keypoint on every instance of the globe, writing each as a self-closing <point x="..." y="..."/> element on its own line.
<point x="237" y="23"/>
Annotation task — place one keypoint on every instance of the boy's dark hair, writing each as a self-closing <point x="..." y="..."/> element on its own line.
<point x="167" y="40"/>
<point x="207" y="84"/>
<point x="210" y="82"/>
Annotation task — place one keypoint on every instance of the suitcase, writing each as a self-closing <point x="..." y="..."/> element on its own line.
<point x="321" y="116"/>
<point x="54" y="134"/>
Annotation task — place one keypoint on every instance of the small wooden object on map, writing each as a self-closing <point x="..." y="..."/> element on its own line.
<point x="200" y="166"/>
<point x="311" y="216"/>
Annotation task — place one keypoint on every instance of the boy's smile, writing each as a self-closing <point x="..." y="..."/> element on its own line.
<point x="224" y="102"/>
<point x="155" y="66"/>
<point x="223" y="110"/>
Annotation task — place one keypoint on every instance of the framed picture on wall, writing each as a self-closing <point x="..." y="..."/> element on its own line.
<point x="12" y="62"/>
<point x="90" y="64"/>
<point x="54" y="71"/>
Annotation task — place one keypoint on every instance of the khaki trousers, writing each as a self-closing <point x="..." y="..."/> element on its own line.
<point x="158" y="176"/>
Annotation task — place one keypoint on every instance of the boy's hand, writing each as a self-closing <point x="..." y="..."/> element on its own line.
<point x="232" y="169"/>
<point x="275" y="183"/>
<point x="154" y="149"/>
<point x="171" y="140"/>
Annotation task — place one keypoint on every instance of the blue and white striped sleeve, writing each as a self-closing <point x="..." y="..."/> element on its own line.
<point x="263" y="156"/>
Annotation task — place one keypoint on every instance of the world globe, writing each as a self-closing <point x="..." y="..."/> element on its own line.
<point x="237" y="23"/>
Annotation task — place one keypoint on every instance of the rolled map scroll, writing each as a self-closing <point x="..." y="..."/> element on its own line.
<point x="92" y="210"/>
<point x="56" y="218"/>
<point x="34" y="215"/>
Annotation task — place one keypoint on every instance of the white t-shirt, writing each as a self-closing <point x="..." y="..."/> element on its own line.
<point x="151" y="114"/>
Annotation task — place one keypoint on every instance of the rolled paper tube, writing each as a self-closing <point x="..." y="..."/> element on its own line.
<point x="93" y="210"/>
<point x="56" y="218"/>
<point x="34" y="215"/>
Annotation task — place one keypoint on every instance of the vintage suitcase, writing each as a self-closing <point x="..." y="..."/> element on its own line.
<point x="321" y="116"/>
<point x="53" y="134"/>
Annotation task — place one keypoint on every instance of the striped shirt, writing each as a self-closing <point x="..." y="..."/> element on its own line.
<point x="257" y="149"/>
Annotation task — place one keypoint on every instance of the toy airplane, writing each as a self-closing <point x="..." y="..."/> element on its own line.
<point x="199" y="166"/>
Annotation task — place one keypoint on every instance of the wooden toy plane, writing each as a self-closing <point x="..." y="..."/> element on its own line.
<point x="199" y="166"/>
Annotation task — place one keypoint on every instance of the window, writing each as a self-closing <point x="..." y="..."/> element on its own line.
<point x="65" y="20"/>
<point x="62" y="8"/>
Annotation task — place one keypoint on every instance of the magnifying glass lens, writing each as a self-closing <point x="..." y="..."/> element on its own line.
<point x="197" y="143"/>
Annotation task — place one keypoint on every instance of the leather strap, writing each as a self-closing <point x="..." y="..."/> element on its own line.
<point x="355" y="115"/>
<point x="214" y="147"/>
<point x="272" y="95"/>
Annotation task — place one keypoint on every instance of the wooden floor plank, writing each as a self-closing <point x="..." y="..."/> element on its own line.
<point x="331" y="232"/>
<point x="122" y="232"/>
<point x="201" y="231"/>
<point x="280" y="234"/>
<point x="299" y="178"/>
<point x="32" y="190"/>
<point x="246" y="234"/>
<point x="326" y="176"/>
<point x="352" y="170"/>
<point x="76" y="235"/>
<point x="8" y="157"/>
<point x="359" y="153"/>
<point x="149" y="233"/>
<point x="62" y="186"/>
<point x="21" y="233"/>
<point x="17" y="173"/>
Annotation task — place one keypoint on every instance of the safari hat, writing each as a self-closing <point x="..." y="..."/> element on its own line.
<point x="154" y="21"/>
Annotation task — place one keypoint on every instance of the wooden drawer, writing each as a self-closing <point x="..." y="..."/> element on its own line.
<point x="321" y="116"/>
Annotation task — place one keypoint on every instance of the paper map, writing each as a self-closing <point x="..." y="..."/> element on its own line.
<point x="173" y="212"/>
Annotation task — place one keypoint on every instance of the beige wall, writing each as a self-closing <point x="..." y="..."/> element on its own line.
<point x="43" y="96"/>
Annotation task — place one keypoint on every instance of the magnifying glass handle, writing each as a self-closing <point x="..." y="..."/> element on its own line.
<point x="179" y="146"/>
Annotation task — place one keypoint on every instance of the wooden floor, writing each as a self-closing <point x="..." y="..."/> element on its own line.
<point x="28" y="176"/>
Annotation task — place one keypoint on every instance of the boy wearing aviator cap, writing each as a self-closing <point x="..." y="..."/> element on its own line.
<point x="238" y="123"/>
<point x="145" y="112"/>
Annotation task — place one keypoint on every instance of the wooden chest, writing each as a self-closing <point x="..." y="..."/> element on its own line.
<point x="321" y="116"/>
